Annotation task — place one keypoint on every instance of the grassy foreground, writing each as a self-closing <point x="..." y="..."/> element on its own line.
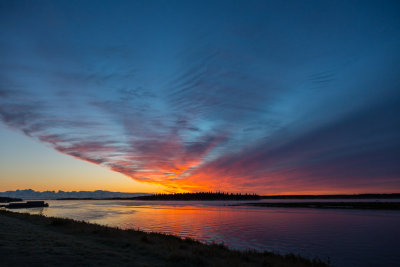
<point x="35" y="240"/>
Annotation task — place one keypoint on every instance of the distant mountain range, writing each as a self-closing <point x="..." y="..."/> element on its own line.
<point x="98" y="194"/>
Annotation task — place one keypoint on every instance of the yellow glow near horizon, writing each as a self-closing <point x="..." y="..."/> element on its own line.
<point x="28" y="164"/>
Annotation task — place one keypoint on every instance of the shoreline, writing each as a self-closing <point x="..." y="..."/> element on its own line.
<point x="27" y="239"/>
<point x="328" y="205"/>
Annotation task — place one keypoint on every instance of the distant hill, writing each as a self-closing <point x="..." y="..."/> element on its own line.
<point x="199" y="196"/>
<point x="98" y="194"/>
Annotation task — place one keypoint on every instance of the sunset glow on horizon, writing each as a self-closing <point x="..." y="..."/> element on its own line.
<point x="186" y="96"/>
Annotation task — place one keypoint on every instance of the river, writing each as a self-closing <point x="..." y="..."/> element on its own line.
<point x="343" y="237"/>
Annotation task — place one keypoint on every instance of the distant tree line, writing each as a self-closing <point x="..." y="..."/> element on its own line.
<point x="337" y="196"/>
<point x="200" y="196"/>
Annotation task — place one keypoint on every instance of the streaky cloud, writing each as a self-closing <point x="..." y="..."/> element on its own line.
<point x="208" y="95"/>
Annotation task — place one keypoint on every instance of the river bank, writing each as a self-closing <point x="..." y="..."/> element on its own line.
<point x="38" y="240"/>
<point x="328" y="205"/>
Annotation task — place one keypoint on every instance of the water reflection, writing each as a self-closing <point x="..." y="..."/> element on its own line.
<point x="347" y="237"/>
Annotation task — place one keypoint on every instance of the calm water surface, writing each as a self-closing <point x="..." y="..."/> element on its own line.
<point x="346" y="237"/>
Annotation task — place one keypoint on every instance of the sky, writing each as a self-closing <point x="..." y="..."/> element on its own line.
<point x="268" y="97"/>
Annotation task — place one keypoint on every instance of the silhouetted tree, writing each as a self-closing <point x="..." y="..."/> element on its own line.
<point x="200" y="196"/>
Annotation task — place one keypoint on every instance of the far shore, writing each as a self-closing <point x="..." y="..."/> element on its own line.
<point x="9" y="199"/>
<point x="216" y="196"/>
<point x="328" y="205"/>
<point x="36" y="240"/>
<point x="240" y="197"/>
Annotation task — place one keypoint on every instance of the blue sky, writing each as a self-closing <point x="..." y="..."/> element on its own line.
<point x="257" y="96"/>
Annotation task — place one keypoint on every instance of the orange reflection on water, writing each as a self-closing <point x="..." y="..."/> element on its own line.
<point x="346" y="237"/>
